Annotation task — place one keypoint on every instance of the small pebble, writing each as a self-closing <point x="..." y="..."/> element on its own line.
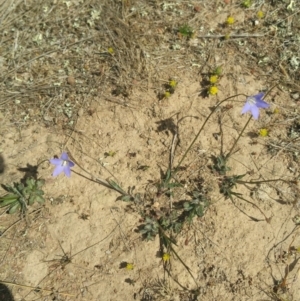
<point x="48" y="118"/>
<point x="295" y="96"/>
<point x="150" y="141"/>
<point x="71" y="80"/>
<point x="80" y="112"/>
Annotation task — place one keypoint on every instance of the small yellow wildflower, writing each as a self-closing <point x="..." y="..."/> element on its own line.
<point x="263" y="132"/>
<point x="276" y="111"/>
<point x="213" y="79"/>
<point x="172" y="83"/>
<point x="260" y="14"/>
<point x="110" y="154"/>
<point x="110" y="50"/>
<point x="166" y="257"/>
<point x="167" y="94"/>
<point x="213" y="90"/>
<point x="230" y="20"/>
<point x="129" y="266"/>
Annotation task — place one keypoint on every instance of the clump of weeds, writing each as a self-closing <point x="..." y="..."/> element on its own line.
<point x="20" y="195"/>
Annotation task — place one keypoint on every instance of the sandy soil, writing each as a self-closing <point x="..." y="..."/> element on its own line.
<point x="86" y="77"/>
<point x="77" y="244"/>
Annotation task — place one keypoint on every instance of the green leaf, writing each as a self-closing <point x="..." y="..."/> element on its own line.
<point x="20" y="187"/>
<point x="13" y="209"/>
<point x="8" y="201"/>
<point x="40" y="199"/>
<point x="26" y="191"/>
<point x="114" y="184"/>
<point x="40" y="183"/>
<point x="126" y="198"/>
<point x="172" y="185"/>
<point x="30" y="184"/>
<point x="187" y="206"/>
<point x="31" y="200"/>
<point x="8" y="197"/>
<point x="8" y="188"/>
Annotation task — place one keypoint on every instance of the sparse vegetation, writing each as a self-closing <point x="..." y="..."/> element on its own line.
<point x="145" y="102"/>
<point x="20" y="196"/>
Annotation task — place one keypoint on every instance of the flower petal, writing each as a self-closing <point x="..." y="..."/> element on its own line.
<point x="58" y="169"/>
<point x="246" y="108"/>
<point x="70" y="163"/>
<point x="258" y="97"/>
<point x="255" y="112"/>
<point x="262" y="104"/>
<point x="64" y="156"/>
<point x="67" y="171"/>
<point x="56" y="161"/>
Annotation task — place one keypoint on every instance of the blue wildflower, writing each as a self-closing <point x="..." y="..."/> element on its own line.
<point x="253" y="103"/>
<point x="62" y="165"/>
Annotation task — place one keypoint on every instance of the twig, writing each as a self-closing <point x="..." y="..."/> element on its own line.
<point x="15" y="223"/>
<point x="234" y="36"/>
<point x="35" y="288"/>
<point x="268" y="219"/>
<point x="8" y="249"/>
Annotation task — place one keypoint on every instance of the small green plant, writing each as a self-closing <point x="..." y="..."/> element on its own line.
<point x="217" y="71"/>
<point x="165" y="186"/>
<point x="20" y="196"/>
<point x="150" y="229"/>
<point x="171" y="221"/>
<point x="228" y="183"/>
<point x="246" y="3"/>
<point x="110" y="154"/>
<point x="186" y="31"/>
<point x="220" y="165"/>
<point x="196" y="207"/>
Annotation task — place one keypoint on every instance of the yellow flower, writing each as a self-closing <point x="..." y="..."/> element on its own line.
<point x="213" y="90"/>
<point x="276" y="111"/>
<point x="260" y="14"/>
<point x="166" y="257"/>
<point x="110" y="50"/>
<point x="213" y="79"/>
<point x="172" y="83"/>
<point x="167" y="94"/>
<point x="230" y="20"/>
<point x="263" y="132"/>
<point x="129" y="266"/>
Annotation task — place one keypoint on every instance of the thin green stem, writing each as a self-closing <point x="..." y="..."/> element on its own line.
<point x="241" y="133"/>
<point x="169" y="244"/>
<point x="108" y="184"/>
<point x="199" y="132"/>
<point x="237" y="139"/>
<point x="240" y="197"/>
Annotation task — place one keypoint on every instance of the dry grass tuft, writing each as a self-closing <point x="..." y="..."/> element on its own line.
<point x="62" y="55"/>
